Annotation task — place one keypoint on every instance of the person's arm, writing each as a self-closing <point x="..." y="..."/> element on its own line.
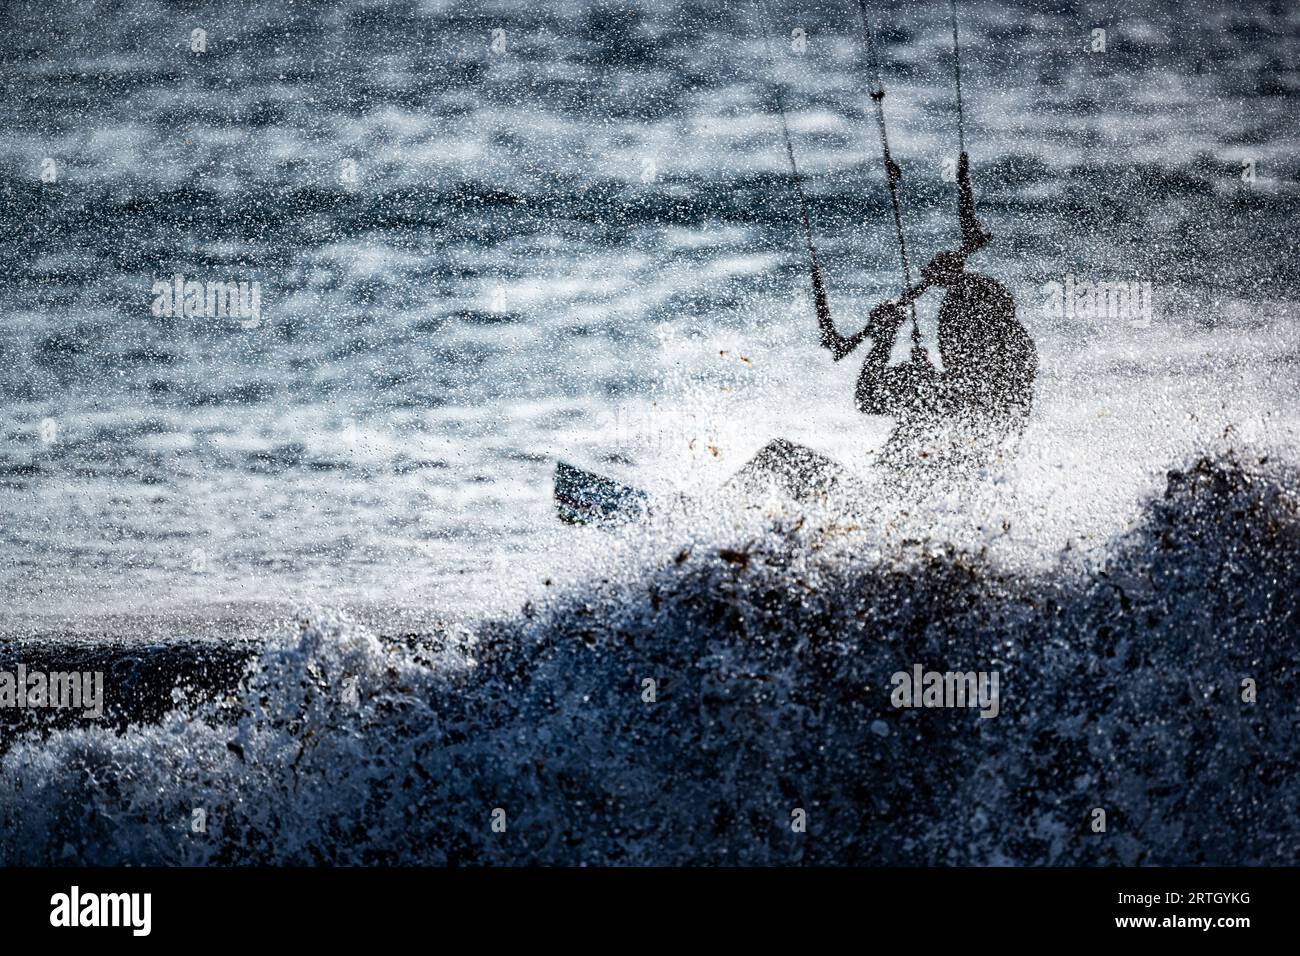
<point x="838" y="345"/>
<point x="882" y="324"/>
<point x="884" y="389"/>
<point x="973" y="235"/>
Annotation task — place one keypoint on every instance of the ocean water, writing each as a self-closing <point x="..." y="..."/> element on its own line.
<point x="488" y="236"/>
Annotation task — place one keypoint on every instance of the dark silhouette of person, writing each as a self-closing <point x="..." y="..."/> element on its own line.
<point x="947" y="421"/>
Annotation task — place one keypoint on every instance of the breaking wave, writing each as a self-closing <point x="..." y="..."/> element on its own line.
<point x="770" y="656"/>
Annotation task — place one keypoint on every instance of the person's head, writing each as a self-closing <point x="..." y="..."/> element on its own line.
<point x="944" y="269"/>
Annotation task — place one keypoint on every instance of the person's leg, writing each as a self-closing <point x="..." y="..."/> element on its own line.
<point x="797" y="470"/>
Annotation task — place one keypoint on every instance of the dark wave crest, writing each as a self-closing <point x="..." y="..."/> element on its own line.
<point x="1121" y="690"/>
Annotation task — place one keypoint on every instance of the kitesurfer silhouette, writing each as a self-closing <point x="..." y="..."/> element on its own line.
<point x="948" y="421"/>
<point x="945" y="421"/>
<point x="966" y="414"/>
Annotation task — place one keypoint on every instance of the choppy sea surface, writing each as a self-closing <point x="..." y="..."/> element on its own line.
<point x="487" y="236"/>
